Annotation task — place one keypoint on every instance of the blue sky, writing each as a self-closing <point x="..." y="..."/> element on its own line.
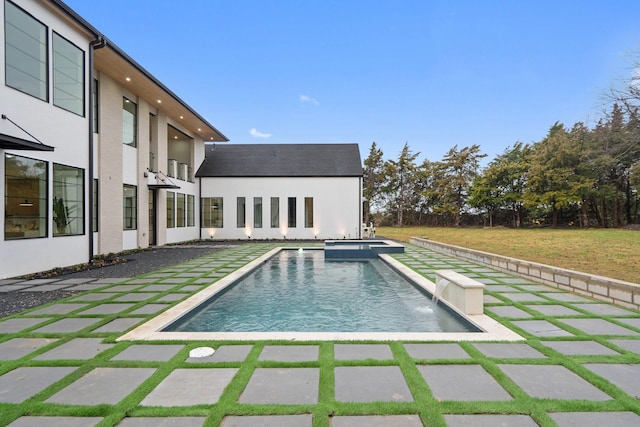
<point x="432" y="73"/>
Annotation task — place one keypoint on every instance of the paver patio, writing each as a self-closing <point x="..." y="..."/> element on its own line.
<point x="60" y="364"/>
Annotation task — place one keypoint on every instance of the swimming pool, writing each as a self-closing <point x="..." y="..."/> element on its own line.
<point x="298" y="291"/>
<point x="155" y="328"/>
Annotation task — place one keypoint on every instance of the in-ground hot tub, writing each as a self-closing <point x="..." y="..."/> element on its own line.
<point x="354" y="249"/>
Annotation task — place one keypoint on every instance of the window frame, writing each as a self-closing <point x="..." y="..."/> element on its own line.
<point x="63" y="207"/>
<point x="42" y="90"/>
<point x="171" y="209"/>
<point x="275" y="212"/>
<point x="191" y="203"/>
<point x="308" y="212"/>
<point x="207" y="218"/>
<point x="133" y="209"/>
<point x="292" y="212"/>
<point x="134" y="124"/>
<point x="181" y="207"/>
<point x="18" y="223"/>
<point x="241" y="212"/>
<point x="257" y="212"/>
<point x="59" y="75"/>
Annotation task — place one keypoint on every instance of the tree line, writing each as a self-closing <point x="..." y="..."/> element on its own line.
<point x="578" y="176"/>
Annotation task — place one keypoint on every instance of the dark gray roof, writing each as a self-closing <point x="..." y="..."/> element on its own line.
<point x="281" y="160"/>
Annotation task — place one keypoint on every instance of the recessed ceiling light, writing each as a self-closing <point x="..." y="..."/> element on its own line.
<point x="181" y="117"/>
<point x="175" y="137"/>
<point x="128" y="79"/>
<point x="199" y="129"/>
<point x="159" y="101"/>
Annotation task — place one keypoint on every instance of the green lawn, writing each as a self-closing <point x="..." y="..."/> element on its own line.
<point x="606" y="252"/>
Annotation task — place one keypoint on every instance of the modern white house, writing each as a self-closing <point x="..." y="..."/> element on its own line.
<point x="97" y="156"/>
<point x="281" y="191"/>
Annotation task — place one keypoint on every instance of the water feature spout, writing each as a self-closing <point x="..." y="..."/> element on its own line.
<point x="441" y="284"/>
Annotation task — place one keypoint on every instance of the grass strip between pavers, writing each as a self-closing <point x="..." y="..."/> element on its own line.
<point x="424" y="404"/>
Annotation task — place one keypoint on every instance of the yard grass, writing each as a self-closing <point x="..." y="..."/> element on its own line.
<point x="611" y="253"/>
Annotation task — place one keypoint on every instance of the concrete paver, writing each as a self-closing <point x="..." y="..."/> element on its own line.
<point x="70" y="324"/>
<point x="33" y="421"/>
<point x="102" y="386"/>
<point x="282" y="385"/>
<point x="590" y="348"/>
<point x="119" y="325"/>
<point x="362" y="351"/>
<point x="552" y="382"/>
<point x="376" y="421"/>
<point x="286" y="353"/>
<point x="20" y="347"/>
<point x="20" y="384"/>
<point x="489" y="420"/>
<point x="304" y="420"/>
<point x="149" y="352"/>
<point x="78" y="349"/>
<point x="436" y="351"/>
<point x="509" y="351"/>
<point x="18" y="324"/>
<point x="598" y="327"/>
<point x="370" y="384"/>
<point x="108" y="308"/>
<point x="162" y="422"/>
<point x="509" y="311"/>
<point x="595" y="419"/>
<point x="624" y="376"/>
<point x="554" y="310"/>
<point x="462" y="382"/>
<point x="188" y="387"/>
<point x="541" y="328"/>
<point x="630" y="345"/>
<point x="58" y="309"/>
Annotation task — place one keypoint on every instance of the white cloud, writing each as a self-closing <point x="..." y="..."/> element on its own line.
<point x="257" y="134"/>
<point x="304" y="99"/>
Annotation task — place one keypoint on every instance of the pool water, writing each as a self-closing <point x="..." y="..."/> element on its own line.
<point x="298" y="291"/>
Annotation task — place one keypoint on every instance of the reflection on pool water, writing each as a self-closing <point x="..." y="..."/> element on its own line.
<point x="298" y="291"/>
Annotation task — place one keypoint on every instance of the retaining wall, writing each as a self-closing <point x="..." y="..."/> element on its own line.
<point x="618" y="292"/>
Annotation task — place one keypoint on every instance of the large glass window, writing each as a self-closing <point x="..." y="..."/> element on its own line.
<point x="212" y="212"/>
<point x="257" y="212"/>
<point x="96" y="102"/>
<point x="68" y="75"/>
<point x="191" y="200"/>
<point x="180" y="211"/>
<point x="291" y="210"/>
<point x="129" y="122"/>
<point x="68" y="200"/>
<point x="275" y="212"/>
<point x="171" y="209"/>
<point x="25" y="52"/>
<point x="308" y="212"/>
<point x="130" y="207"/>
<point x="240" y="212"/>
<point x="25" y="197"/>
<point x="96" y="205"/>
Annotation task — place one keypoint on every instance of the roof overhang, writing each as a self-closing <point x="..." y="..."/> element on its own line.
<point x="131" y="76"/>
<point x="8" y="142"/>
<point x="165" y="186"/>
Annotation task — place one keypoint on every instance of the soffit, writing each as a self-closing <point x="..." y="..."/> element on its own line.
<point x="137" y="81"/>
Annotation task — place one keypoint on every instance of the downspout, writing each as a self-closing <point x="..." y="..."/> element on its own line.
<point x="98" y="43"/>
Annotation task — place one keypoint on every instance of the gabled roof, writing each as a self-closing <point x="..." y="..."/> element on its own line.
<point x="281" y="160"/>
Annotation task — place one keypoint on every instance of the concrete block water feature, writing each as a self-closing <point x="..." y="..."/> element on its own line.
<point x="464" y="293"/>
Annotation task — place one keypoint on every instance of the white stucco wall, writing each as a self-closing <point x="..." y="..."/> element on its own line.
<point x="54" y="126"/>
<point x="336" y="204"/>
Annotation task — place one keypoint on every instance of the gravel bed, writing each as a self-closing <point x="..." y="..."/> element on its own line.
<point x="137" y="263"/>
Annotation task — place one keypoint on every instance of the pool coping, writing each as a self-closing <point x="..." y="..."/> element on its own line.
<point x="152" y="330"/>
